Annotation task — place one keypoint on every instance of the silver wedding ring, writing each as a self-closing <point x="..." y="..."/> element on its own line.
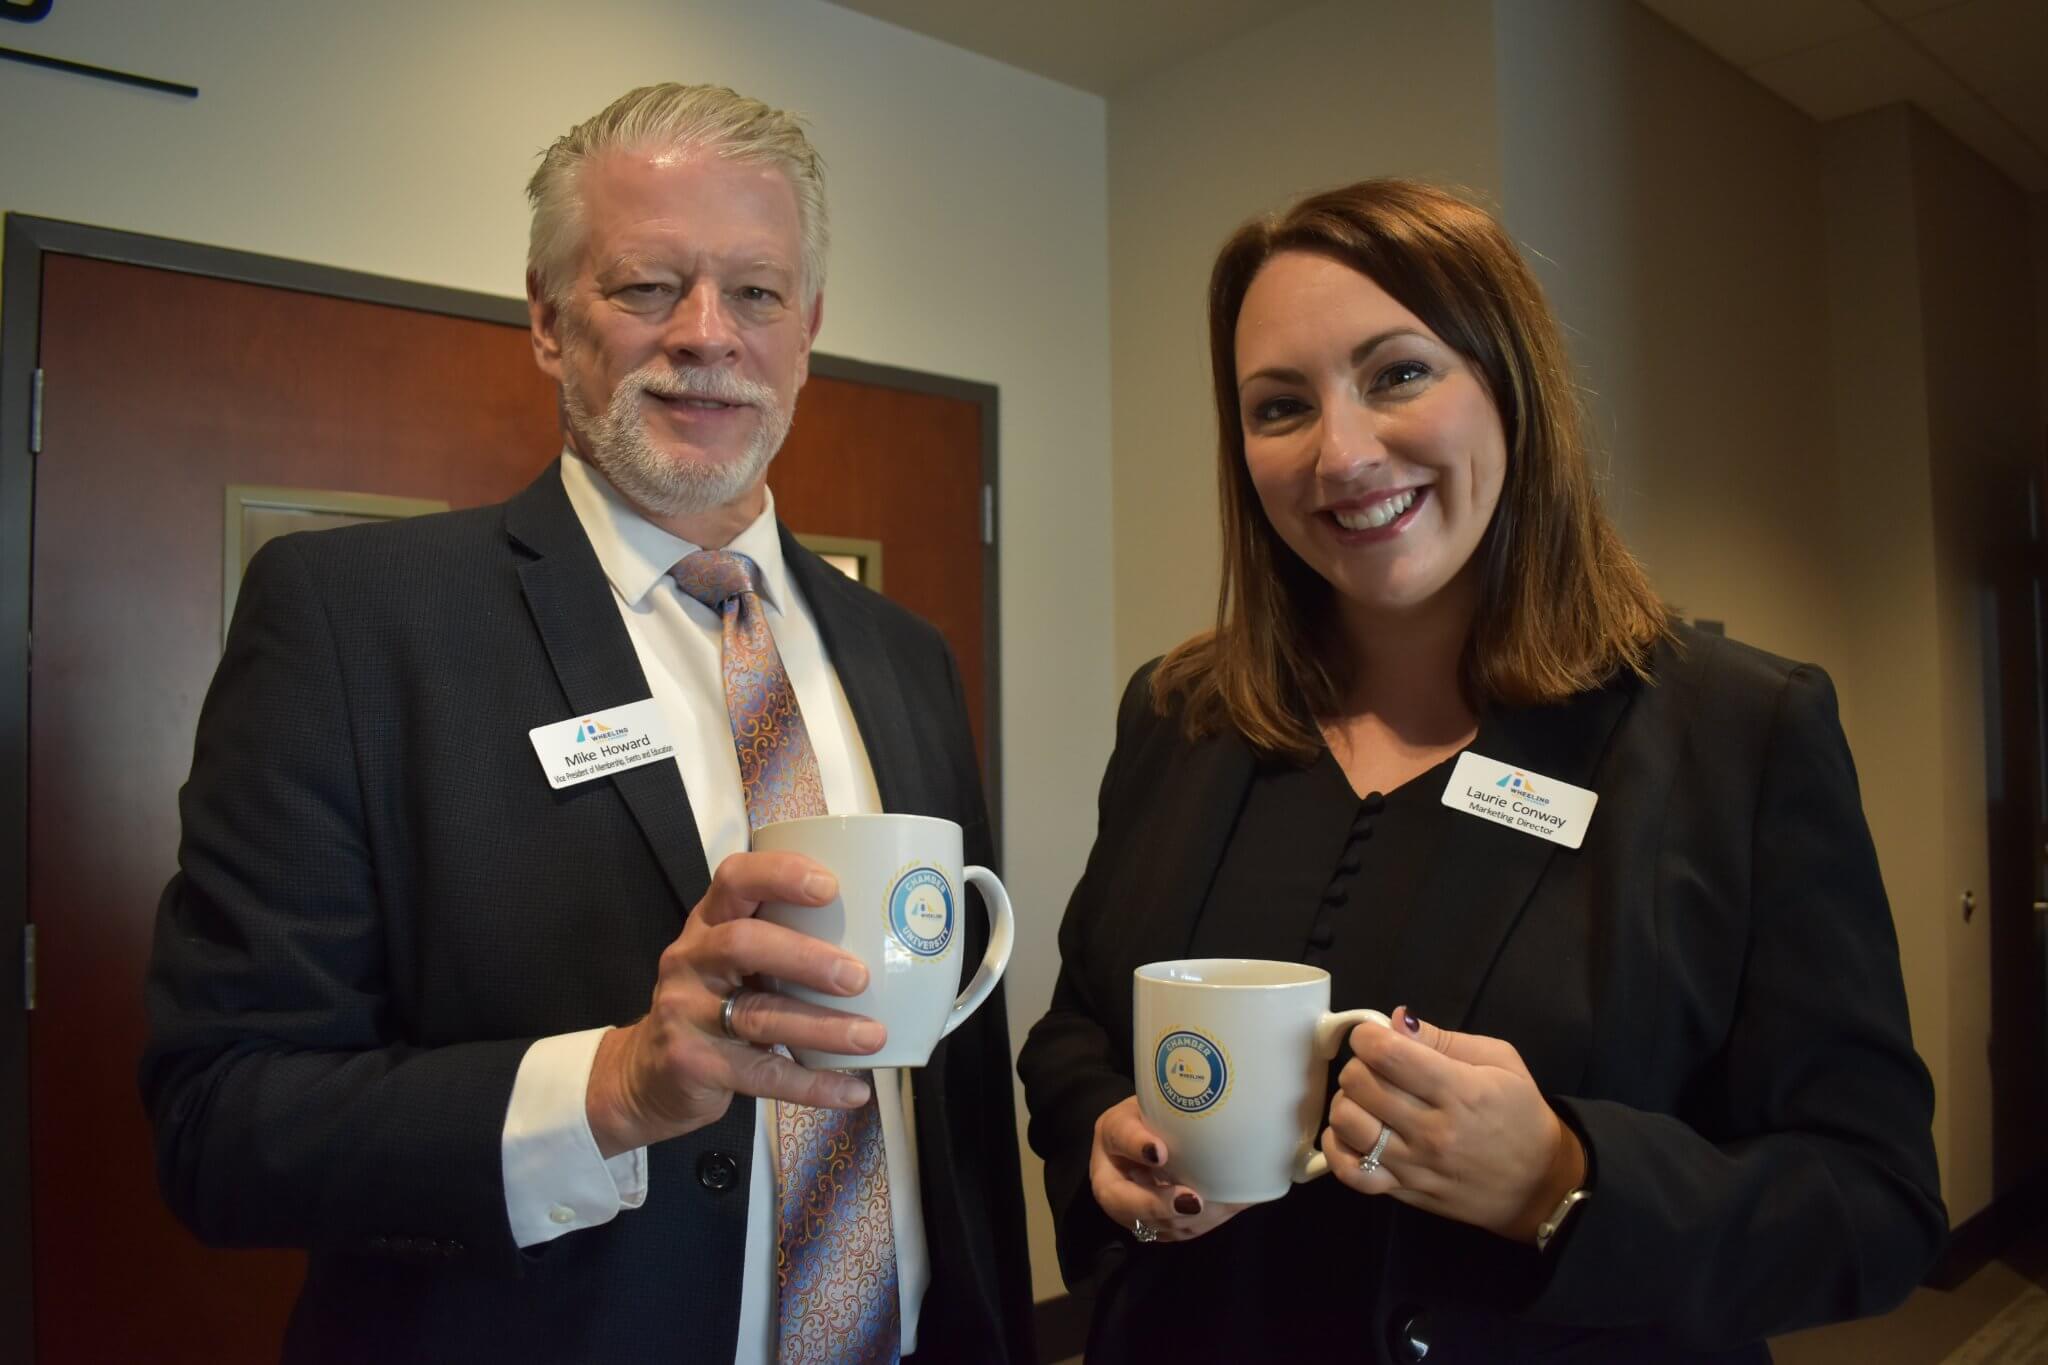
<point x="1143" y="1230"/>
<point x="1371" y="1162"/>
<point x="725" y="1018"/>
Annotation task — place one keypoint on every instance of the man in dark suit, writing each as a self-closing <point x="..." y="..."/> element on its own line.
<point x="387" y="975"/>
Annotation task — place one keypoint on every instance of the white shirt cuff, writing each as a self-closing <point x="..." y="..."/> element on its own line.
<point x="555" y="1180"/>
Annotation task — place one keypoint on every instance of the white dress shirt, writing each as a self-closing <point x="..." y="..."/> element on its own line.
<point x="555" y="1180"/>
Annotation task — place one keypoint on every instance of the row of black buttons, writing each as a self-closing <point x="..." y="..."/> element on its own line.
<point x="1338" y="892"/>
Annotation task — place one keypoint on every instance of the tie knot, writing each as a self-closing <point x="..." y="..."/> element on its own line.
<point x="715" y="577"/>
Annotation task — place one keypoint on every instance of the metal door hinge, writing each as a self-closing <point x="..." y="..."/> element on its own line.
<point x="35" y="413"/>
<point x="988" y="514"/>
<point x="28" y="966"/>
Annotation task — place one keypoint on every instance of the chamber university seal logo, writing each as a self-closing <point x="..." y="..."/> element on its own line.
<point x="1191" y="1070"/>
<point x="921" y="911"/>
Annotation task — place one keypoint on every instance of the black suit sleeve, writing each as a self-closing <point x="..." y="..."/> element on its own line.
<point x="288" y="1108"/>
<point x="1815" y="1197"/>
<point x="1073" y="1070"/>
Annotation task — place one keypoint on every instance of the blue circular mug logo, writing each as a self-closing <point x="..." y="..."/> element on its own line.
<point x="921" y="911"/>
<point x="1191" y="1071"/>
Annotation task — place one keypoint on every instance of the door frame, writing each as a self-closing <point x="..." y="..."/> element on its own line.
<point x="27" y="240"/>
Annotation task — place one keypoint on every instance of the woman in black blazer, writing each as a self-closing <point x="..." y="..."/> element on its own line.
<point x="1647" y="1097"/>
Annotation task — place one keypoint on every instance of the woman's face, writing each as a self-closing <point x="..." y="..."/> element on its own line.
<point x="1375" y="448"/>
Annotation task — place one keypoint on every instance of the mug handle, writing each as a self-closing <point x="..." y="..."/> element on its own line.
<point x="1330" y="1032"/>
<point x="1002" y="936"/>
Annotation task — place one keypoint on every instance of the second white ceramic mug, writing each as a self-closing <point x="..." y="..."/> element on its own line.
<point x="1231" y="1056"/>
<point x="899" y="910"/>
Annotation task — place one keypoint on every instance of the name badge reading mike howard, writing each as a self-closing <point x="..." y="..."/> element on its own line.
<point x="601" y="743"/>
<point x="1529" y="802"/>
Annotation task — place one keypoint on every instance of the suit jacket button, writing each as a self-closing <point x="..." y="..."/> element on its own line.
<point x="1408" y="1334"/>
<point x="717" y="1172"/>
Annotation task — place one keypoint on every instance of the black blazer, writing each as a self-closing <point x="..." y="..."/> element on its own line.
<point x="1708" y="989"/>
<point x="382" y="903"/>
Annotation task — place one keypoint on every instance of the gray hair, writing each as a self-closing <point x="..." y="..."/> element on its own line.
<point x="680" y="117"/>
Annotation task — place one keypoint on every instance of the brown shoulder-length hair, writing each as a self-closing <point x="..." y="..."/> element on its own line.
<point x="1563" y="605"/>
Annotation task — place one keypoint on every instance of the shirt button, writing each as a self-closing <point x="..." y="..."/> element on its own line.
<point x="1410" y="1340"/>
<point x="717" y="1172"/>
<point x="561" y="1213"/>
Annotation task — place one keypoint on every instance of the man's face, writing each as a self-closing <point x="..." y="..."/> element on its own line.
<point x="682" y="340"/>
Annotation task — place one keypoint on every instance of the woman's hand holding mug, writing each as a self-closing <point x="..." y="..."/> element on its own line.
<point x="1469" y="1135"/>
<point x="1129" y="1171"/>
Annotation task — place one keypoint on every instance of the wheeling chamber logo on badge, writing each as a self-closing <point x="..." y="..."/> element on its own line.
<point x="1192" y="1072"/>
<point x="597" y="740"/>
<point x="1520" y="785"/>
<point x="920" y="910"/>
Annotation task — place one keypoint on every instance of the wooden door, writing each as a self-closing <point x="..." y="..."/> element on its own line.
<point x="161" y="386"/>
<point x="875" y="462"/>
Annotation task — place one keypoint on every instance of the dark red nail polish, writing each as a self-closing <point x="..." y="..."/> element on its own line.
<point x="1411" y="1023"/>
<point x="1152" y="1154"/>
<point x="1187" y="1204"/>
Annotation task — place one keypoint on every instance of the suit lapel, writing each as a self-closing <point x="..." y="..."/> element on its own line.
<point x="846" y="623"/>
<point x="593" y="659"/>
<point x="1178" y="844"/>
<point x="1480" y="875"/>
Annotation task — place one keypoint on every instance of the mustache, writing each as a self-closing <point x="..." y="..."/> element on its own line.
<point x="701" y="381"/>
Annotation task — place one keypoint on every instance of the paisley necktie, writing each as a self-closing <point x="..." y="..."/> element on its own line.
<point x="835" y="1252"/>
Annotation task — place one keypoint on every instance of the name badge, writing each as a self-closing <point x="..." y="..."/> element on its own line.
<point x="601" y="743"/>
<point x="1529" y="802"/>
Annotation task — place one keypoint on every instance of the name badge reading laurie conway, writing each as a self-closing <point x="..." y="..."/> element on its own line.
<point x="1529" y="802"/>
<point x="601" y="743"/>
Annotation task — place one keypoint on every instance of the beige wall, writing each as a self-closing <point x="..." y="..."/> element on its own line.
<point x="1878" y="375"/>
<point x="1939" y="407"/>
<point x="969" y="221"/>
<point x="1938" y="402"/>
<point x="1984" y="449"/>
<point x="1345" y="90"/>
<point x="1673" y="209"/>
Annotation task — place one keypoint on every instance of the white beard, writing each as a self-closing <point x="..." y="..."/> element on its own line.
<point x="663" y="484"/>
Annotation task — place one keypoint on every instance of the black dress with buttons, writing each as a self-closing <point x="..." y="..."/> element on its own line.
<point x="1312" y="873"/>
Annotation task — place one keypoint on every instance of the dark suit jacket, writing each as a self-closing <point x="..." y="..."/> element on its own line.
<point x="382" y="903"/>
<point x="1708" y="989"/>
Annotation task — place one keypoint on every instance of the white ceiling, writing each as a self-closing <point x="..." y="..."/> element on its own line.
<point x="1096" y="45"/>
<point x="1979" y="67"/>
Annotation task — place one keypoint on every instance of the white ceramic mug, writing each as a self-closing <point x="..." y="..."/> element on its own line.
<point x="1231" y="1057"/>
<point x="901" y="896"/>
